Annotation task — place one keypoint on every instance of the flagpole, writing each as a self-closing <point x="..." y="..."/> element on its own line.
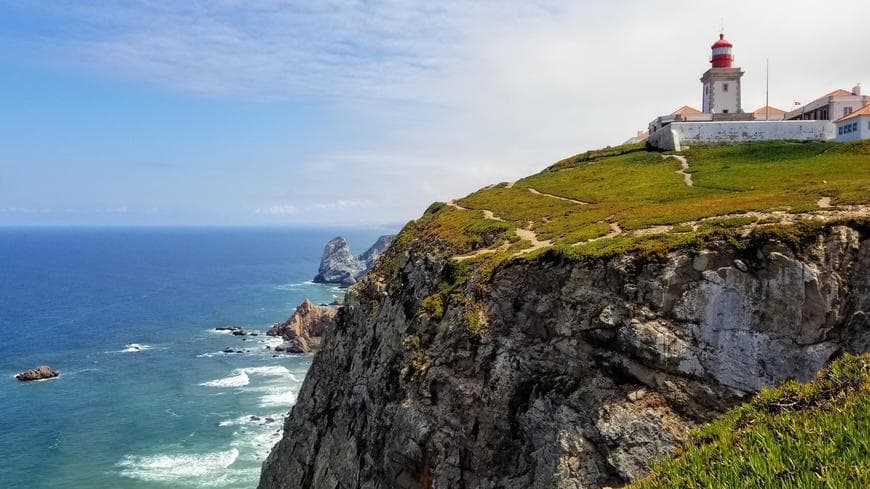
<point x="767" y="92"/>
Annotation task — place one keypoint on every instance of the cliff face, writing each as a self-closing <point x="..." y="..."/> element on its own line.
<point x="554" y="373"/>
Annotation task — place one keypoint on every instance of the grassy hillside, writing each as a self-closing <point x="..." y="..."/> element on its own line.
<point x="626" y="198"/>
<point x="795" y="436"/>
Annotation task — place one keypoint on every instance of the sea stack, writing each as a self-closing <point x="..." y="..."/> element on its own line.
<point x="303" y="330"/>
<point x="339" y="266"/>
<point x="38" y="373"/>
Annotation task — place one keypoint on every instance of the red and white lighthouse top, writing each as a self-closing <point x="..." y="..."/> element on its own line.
<point x="722" y="56"/>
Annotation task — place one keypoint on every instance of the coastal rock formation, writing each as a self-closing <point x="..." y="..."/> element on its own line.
<point x="370" y="256"/>
<point x="38" y="373"/>
<point x="558" y="373"/>
<point x="303" y="330"/>
<point x="339" y="266"/>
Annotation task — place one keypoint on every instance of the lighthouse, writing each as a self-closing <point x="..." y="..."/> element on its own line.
<point x="722" y="81"/>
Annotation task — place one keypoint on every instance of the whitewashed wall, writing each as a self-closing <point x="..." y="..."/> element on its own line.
<point x="673" y="136"/>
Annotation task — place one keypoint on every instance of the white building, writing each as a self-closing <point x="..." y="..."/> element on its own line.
<point x="855" y="125"/>
<point x="831" y="106"/>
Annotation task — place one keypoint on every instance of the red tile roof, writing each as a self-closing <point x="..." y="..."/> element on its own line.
<point x="838" y="93"/>
<point x="856" y="113"/>
<point x="770" y="110"/>
<point x="686" y="110"/>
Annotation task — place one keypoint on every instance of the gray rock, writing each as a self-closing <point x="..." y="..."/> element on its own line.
<point x="368" y="258"/>
<point x="339" y="266"/>
<point x="542" y="398"/>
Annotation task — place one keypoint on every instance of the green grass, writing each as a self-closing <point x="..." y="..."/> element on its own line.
<point x="640" y="189"/>
<point x="813" y="435"/>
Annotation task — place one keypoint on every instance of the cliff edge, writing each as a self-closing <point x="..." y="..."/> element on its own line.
<point x="566" y="329"/>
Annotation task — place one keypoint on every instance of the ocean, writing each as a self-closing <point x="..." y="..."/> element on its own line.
<point x="175" y="412"/>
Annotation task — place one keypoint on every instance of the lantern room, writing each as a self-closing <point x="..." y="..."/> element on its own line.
<point x="722" y="57"/>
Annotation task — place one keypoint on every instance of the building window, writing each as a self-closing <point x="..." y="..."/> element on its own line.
<point x="725" y="111"/>
<point x="847" y="111"/>
<point x="855" y="127"/>
<point x="724" y="87"/>
<point x="840" y="130"/>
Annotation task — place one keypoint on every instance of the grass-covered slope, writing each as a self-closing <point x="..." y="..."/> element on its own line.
<point x="810" y="435"/>
<point x="627" y="199"/>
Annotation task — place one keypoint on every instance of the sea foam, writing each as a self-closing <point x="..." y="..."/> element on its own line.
<point x="237" y="380"/>
<point x="177" y="468"/>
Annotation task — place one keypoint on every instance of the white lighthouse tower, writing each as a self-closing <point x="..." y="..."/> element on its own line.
<point x="722" y="81"/>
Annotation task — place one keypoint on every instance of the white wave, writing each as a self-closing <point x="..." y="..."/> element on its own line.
<point x="294" y="285"/>
<point x="239" y="379"/>
<point x="268" y="371"/>
<point x="255" y="446"/>
<point x="272" y="341"/>
<point x="133" y="347"/>
<point x="256" y="420"/>
<point x="278" y="398"/>
<point x="178" y="468"/>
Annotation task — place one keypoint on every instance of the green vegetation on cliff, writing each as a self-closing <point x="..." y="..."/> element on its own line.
<point x="627" y="199"/>
<point x="795" y="436"/>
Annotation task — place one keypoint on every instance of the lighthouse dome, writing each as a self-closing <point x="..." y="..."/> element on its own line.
<point x="722" y="43"/>
<point x="722" y="56"/>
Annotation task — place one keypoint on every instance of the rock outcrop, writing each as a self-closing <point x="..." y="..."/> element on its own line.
<point x="339" y="266"/>
<point x="555" y="373"/>
<point x="370" y="256"/>
<point x="38" y="373"/>
<point x="303" y="330"/>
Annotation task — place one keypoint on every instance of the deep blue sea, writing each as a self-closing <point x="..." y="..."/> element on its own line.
<point x="177" y="412"/>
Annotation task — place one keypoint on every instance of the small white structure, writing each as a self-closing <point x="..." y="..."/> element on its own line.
<point x="855" y="125"/>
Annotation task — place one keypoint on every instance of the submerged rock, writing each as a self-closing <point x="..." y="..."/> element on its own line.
<point x="38" y="373"/>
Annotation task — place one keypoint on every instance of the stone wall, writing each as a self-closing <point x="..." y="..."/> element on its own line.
<point x="674" y="136"/>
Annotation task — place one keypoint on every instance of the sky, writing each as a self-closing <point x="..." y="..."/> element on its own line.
<point x="343" y="112"/>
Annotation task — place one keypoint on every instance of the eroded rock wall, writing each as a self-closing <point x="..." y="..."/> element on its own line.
<point x="577" y="374"/>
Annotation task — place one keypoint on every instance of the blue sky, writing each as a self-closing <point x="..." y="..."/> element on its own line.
<point x="265" y="112"/>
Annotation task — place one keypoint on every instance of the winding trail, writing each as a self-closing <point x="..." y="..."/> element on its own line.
<point x="531" y="237"/>
<point x="684" y="169"/>
<point x="566" y="199"/>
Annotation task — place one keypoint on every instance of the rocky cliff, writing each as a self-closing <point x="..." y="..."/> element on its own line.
<point x="302" y="332"/>
<point x="339" y="266"/>
<point x="556" y="372"/>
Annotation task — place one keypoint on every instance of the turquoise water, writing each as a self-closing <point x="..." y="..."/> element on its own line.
<point x="177" y="412"/>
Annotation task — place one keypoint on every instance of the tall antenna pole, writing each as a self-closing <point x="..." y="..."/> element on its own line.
<point x="767" y="92"/>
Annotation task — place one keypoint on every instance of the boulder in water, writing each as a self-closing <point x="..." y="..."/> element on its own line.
<point x="38" y="373"/>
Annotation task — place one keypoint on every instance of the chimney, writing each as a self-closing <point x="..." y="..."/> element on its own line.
<point x="856" y="90"/>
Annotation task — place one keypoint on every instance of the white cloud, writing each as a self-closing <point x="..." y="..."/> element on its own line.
<point x="277" y="210"/>
<point x="454" y="95"/>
